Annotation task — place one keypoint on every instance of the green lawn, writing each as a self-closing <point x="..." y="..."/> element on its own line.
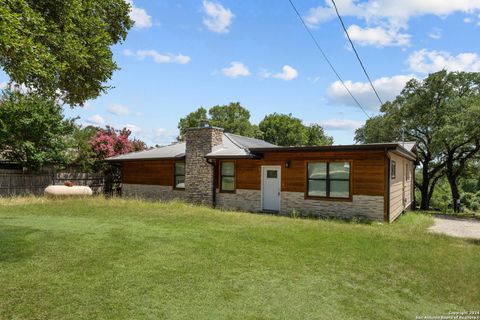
<point x="126" y="259"/>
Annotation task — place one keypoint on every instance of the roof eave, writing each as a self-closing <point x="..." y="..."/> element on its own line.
<point x="247" y="156"/>
<point x="144" y="159"/>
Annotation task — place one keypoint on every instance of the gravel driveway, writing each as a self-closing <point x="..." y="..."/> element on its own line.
<point x="456" y="227"/>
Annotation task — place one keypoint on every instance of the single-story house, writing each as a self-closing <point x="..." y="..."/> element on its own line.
<point x="229" y="171"/>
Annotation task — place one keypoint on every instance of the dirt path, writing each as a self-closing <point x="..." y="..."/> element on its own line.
<point x="456" y="227"/>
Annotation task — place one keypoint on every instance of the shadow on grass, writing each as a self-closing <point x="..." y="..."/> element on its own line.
<point x="14" y="246"/>
<point x="451" y="215"/>
<point x="474" y="241"/>
<point x="316" y="216"/>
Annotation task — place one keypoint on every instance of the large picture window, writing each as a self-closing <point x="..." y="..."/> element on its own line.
<point x="328" y="179"/>
<point x="179" y="175"/>
<point x="227" y="176"/>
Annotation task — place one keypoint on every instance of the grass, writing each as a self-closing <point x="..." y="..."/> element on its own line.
<point x="128" y="259"/>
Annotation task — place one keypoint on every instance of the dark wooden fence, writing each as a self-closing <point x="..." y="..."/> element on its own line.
<point x="17" y="183"/>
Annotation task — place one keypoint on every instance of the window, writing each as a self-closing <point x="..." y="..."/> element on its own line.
<point x="227" y="176"/>
<point x="272" y="174"/>
<point x="328" y="179"/>
<point x="179" y="175"/>
<point x="393" y="170"/>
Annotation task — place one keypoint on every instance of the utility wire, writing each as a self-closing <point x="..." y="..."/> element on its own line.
<point x="326" y="59"/>
<point x="356" y="53"/>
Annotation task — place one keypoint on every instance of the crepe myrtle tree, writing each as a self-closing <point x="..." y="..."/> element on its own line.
<point x="62" y="48"/>
<point x="110" y="142"/>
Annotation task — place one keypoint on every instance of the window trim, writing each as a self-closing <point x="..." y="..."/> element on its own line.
<point x="327" y="197"/>
<point x="393" y="170"/>
<point x="220" y="176"/>
<point x="175" y="175"/>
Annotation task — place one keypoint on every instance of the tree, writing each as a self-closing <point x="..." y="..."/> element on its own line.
<point x="110" y="142"/>
<point x="82" y="151"/>
<point x="460" y="127"/>
<point x="191" y="120"/>
<point x="316" y="136"/>
<point x="232" y="118"/>
<point x="441" y="114"/>
<point x="33" y="130"/>
<point x="62" y="48"/>
<point x="286" y="130"/>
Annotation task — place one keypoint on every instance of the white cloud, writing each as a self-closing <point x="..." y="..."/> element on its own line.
<point x="119" y="110"/>
<point x="378" y="36"/>
<point x="394" y="11"/>
<point x="236" y="69"/>
<point x="425" y="61"/>
<point x="288" y="73"/>
<point x="3" y="85"/>
<point x="133" y="128"/>
<point x="96" y="119"/>
<point x="139" y="16"/>
<point x="218" y="19"/>
<point x="436" y="33"/>
<point x="341" y="124"/>
<point x="390" y="13"/>
<point x="158" y="57"/>
<point x="387" y="87"/>
<point x="152" y="136"/>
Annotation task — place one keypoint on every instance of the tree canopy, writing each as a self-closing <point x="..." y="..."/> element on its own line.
<point x="280" y="129"/>
<point x="33" y="130"/>
<point x="286" y="130"/>
<point x="62" y="48"/>
<point x="232" y="118"/>
<point x="441" y="113"/>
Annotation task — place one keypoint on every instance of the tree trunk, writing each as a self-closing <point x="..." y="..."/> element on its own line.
<point x="452" y="181"/>
<point x="425" y="201"/>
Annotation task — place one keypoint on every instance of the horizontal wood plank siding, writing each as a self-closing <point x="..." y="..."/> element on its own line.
<point x="367" y="170"/>
<point x="155" y="172"/>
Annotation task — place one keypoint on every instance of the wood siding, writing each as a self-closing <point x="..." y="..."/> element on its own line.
<point x="400" y="187"/>
<point x="155" y="172"/>
<point x="368" y="167"/>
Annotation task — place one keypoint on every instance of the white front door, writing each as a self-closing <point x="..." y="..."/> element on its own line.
<point x="271" y="188"/>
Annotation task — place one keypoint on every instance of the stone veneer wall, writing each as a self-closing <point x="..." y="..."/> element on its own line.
<point x="199" y="173"/>
<point x="366" y="206"/>
<point x="250" y="200"/>
<point x="242" y="199"/>
<point x="153" y="192"/>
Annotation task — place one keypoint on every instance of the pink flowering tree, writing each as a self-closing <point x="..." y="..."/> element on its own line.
<point x="110" y="142"/>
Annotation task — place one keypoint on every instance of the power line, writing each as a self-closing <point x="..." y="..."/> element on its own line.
<point x="356" y="53"/>
<point x="326" y="59"/>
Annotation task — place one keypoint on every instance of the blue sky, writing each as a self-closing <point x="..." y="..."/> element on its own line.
<point x="185" y="54"/>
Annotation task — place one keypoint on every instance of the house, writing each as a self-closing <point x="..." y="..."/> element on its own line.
<point x="229" y="171"/>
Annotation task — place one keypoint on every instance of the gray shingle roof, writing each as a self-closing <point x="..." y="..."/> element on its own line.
<point x="232" y="146"/>
<point x="238" y="146"/>
<point x="246" y="142"/>
<point x="172" y="151"/>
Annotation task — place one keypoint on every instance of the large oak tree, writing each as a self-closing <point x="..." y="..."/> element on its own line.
<point x="441" y="113"/>
<point x="61" y="48"/>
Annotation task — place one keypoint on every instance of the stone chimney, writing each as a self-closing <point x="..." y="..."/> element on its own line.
<point x="199" y="174"/>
